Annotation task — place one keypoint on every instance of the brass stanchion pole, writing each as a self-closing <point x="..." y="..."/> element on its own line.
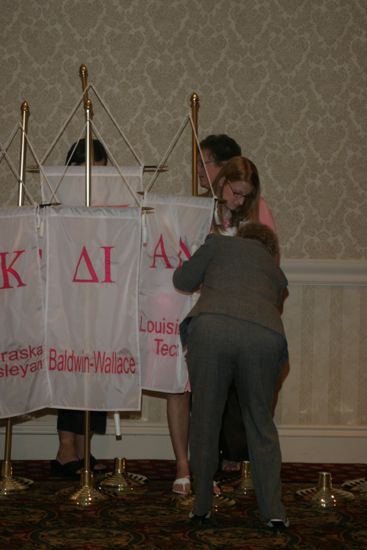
<point x="88" y="153"/>
<point x="195" y="103"/>
<point x="8" y="483"/>
<point x="87" y="494"/>
<point x="24" y="109"/>
<point x="119" y="478"/>
<point x="186" y="501"/>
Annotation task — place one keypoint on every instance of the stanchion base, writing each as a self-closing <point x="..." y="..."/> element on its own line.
<point x="117" y="485"/>
<point x="120" y="481"/>
<point x="244" y="485"/>
<point x="183" y="502"/>
<point x="325" y="498"/>
<point x="11" y="485"/>
<point x="243" y="491"/>
<point x="87" y="496"/>
<point x="219" y="502"/>
<point x="356" y="486"/>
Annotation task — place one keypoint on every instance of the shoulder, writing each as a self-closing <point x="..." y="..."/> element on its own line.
<point x="265" y="214"/>
<point x="213" y="239"/>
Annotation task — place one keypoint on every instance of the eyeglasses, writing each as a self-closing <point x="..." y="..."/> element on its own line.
<point x="237" y="195"/>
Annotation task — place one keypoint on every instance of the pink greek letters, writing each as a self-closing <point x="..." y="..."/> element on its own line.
<point x="160" y="253"/>
<point x="86" y="262"/>
<point x="7" y="270"/>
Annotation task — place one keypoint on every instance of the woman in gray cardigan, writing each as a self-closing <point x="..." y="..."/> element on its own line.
<point x="235" y="333"/>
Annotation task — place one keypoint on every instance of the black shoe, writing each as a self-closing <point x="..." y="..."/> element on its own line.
<point x="69" y="469"/>
<point x="95" y="466"/>
<point x="278" y="526"/>
<point x="199" y="520"/>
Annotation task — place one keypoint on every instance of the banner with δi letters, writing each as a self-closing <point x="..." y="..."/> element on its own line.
<point x="174" y="227"/>
<point x="92" y="348"/>
<point x="23" y="371"/>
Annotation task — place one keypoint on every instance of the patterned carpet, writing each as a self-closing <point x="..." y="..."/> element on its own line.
<point x="150" y="517"/>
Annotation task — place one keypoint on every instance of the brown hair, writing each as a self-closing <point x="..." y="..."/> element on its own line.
<point x="262" y="233"/>
<point x="239" y="169"/>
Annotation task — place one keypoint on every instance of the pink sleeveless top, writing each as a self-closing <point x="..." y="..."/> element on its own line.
<point x="265" y="215"/>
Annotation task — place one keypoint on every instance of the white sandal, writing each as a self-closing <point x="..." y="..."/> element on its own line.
<point x="216" y="489"/>
<point x="183" y="482"/>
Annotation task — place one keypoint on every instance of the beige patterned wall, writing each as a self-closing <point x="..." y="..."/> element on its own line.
<point x="286" y="78"/>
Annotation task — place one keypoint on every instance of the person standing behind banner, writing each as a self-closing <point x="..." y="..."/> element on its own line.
<point x="234" y="334"/>
<point x="232" y="446"/>
<point x="70" y="423"/>
<point x="217" y="150"/>
<point x="237" y="190"/>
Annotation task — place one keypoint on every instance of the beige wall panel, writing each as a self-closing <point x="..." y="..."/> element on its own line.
<point x="327" y="335"/>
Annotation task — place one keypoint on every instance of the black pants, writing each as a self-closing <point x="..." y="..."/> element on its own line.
<point x="73" y="421"/>
<point x="233" y="442"/>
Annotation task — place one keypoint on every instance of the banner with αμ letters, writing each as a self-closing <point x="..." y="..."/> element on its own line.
<point x="23" y="372"/>
<point x="92" y="307"/>
<point x="174" y="228"/>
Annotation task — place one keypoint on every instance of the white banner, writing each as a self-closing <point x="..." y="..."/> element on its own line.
<point x="91" y="307"/>
<point x="23" y="373"/>
<point x="108" y="187"/>
<point x="173" y="230"/>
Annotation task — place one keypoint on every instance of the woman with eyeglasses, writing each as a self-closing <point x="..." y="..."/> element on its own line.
<point x="237" y="189"/>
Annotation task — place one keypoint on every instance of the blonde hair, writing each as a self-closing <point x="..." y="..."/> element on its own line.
<point x="238" y="169"/>
<point x="262" y="233"/>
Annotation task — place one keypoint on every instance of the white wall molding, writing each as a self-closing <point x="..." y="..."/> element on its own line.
<point x="334" y="444"/>
<point x="326" y="272"/>
<point x="141" y="439"/>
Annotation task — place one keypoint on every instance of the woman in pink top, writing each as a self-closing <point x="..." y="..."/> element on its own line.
<point x="237" y="188"/>
<point x="236" y="185"/>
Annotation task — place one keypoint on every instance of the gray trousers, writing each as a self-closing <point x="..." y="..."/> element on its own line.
<point x="220" y="350"/>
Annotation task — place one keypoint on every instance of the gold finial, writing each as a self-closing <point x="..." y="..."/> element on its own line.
<point x="83" y="71"/>
<point x="24" y="108"/>
<point x="195" y="100"/>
